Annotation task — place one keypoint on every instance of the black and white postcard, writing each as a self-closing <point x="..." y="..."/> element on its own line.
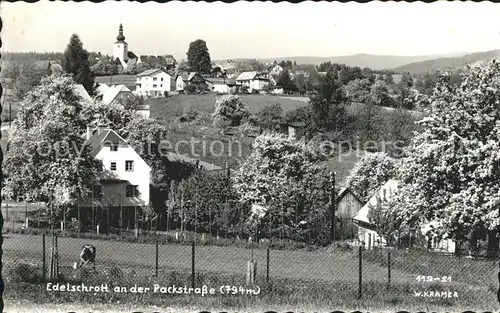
<point x="250" y="157"/>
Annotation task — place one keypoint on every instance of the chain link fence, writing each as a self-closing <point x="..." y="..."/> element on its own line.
<point x="345" y="272"/>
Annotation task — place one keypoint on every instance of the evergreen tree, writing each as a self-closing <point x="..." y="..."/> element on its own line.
<point x="75" y="62"/>
<point x="198" y="57"/>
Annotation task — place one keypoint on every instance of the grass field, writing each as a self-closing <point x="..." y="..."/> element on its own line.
<point x="172" y="107"/>
<point x="304" y="278"/>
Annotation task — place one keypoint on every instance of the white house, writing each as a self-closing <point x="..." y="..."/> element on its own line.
<point x="80" y="90"/>
<point x="115" y="94"/>
<point x="125" y="181"/>
<point x="181" y="82"/>
<point x="252" y="80"/>
<point x="367" y="231"/>
<point x="219" y="85"/>
<point x="152" y="83"/>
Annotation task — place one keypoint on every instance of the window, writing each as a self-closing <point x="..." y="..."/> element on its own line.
<point x="161" y="85"/>
<point x="97" y="191"/>
<point x="154" y="78"/>
<point x="154" y="86"/>
<point x="113" y="147"/>
<point x="129" y="166"/>
<point x="112" y="166"/>
<point x="161" y="79"/>
<point x="131" y="191"/>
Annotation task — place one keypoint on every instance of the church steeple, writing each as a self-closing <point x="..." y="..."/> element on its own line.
<point x="120" y="36"/>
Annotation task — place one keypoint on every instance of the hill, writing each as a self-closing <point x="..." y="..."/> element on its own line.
<point x="452" y="63"/>
<point x="376" y="62"/>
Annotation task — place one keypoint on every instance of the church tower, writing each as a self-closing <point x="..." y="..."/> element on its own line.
<point x="120" y="48"/>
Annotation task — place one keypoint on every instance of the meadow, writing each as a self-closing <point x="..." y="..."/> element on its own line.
<point x="326" y="278"/>
<point x="172" y="108"/>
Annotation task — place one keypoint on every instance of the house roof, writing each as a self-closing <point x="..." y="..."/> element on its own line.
<point x="346" y="191"/>
<point x="247" y="75"/>
<point x="113" y="91"/>
<point x="80" y="90"/>
<point x="383" y="194"/>
<point x="149" y="72"/>
<point x="96" y="140"/>
<point x="99" y="137"/>
<point x="101" y="88"/>
<point x="231" y="70"/>
<point x="179" y="157"/>
<point x="131" y="55"/>
<point x="216" y="80"/>
<point x="192" y="75"/>
<point x="184" y="76"/>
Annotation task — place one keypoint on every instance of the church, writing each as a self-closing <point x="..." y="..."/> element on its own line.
<point x="121" y="52"/>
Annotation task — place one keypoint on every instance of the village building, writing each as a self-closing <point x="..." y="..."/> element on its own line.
<point x="252" y="80"/>
<point x="120" y="50"/>
<point x="275" y="70"/>
<point x="347" y="206"/>
<point x="218" y="85"/>
<point x="123" y="189"/>
<point x="192" y="79"/>
<point x="120" y="95"/>
<point x="152" y="83"/>
<point x="369" y="236"/>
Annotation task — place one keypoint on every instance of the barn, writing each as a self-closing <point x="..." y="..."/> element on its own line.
<point x="347" y="205"/>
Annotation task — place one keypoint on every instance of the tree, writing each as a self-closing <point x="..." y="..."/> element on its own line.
<point x="327" y="105"/>
<point x="284" y="176"/>
<point x="285" y="81"/>
<point x="270" y="116"/>
<point x="47" y="159"/>
<point x="379" y="94"/>
<point x="300" y="83"/>
<point x="146" y="136"/>
<point x="389" y="79"/>
<point x="369" y="174"/>
<point x="229" y="111"/>
<point x="358" y="90"/>
<point x="451" y="174"/>
<point x="21" y="77"/>
<point x="198" y="57"/>
<point x="406" y="80"/>
<point x="202" y="199"/>
<point x="76" y="63"/>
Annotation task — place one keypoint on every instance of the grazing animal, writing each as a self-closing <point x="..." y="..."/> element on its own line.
<point x="87" y="255"/>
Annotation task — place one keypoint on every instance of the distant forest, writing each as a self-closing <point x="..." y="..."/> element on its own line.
<point x="31" y="56"/>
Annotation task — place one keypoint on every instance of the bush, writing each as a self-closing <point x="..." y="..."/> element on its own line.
<point x="24" y="272"/>
<point x="190" y="89"/>
<point x="165" y="94"/>
<point x="270" y="116"/>
<point x="189" y="115"/>
<point x="229" y="111"/>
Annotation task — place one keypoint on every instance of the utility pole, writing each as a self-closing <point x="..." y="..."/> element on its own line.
<point x="332" y="206"/>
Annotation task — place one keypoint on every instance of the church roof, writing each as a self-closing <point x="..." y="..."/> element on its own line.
<point x="120" y="37"/>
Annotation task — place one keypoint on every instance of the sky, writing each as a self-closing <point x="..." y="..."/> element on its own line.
<point x="255" y="29"/>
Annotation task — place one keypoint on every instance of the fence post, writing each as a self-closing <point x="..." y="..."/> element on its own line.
<point x="44" y="266"/>
<point x="360" y="286"/>
<point x="267" y="265"/>
<point x="388" y="270"/>
<point x="157" y="256"/>
<point x="192" y="264"/>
